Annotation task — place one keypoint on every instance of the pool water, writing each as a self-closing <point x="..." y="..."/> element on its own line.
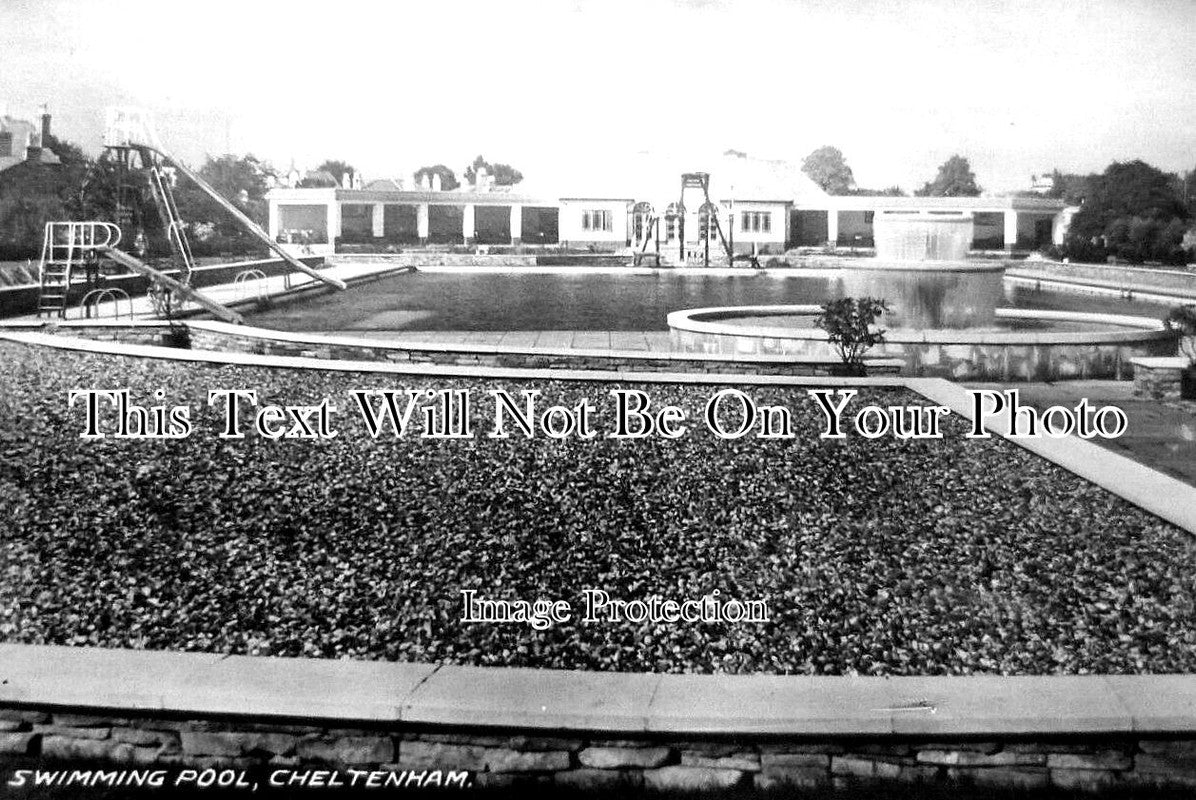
<point x="512" y="301"/>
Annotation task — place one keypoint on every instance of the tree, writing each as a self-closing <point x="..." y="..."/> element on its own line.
<point x="1072" y="188"/>
<point x="955" y="179"/>
<point x="503" y="174"/>
<point x="1133" y="211"/>
<point x="891" y="191"/>
<point x="827" y="168"/>
<point x="69" y="153"/>
<point x="1187" y="189"/>
<point x="337" y="169"/>
<point x="448" y="178"/>
<point x="849" y="323"/>
<point x="243" y="180"/>
<point x="32" y="194"/>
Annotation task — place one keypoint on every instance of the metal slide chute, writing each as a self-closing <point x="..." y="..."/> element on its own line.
<point x="182" y="289"/>
<point x="129" y="128"/>
<point x="245" y="221"/>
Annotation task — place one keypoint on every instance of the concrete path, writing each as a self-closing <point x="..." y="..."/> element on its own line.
<point x="1161" y="433"/>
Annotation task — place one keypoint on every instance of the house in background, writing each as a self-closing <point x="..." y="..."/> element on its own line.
<point x="21" y="141"/>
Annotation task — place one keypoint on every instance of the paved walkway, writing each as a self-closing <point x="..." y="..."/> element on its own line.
<point x="1161" y="433"/>
<point x="229" y="293"/>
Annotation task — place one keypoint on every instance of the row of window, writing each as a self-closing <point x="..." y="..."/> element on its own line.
<point x="750" y="222"/>
<point x="597" y="221"/>
<point x="756" y="221"/>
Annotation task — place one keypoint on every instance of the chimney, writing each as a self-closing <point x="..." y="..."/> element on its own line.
<point x="436" y="181"/>
<point x="33" y="151"/>
<point x="45" y="127"/>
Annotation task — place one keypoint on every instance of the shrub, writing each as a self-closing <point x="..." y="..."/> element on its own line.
<point x="1183" y="320"/>
<point x="849" y="323"/>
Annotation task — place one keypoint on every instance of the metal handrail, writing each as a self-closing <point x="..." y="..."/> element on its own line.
<point x="95" y="297"/>
<point x="252" y="275"/>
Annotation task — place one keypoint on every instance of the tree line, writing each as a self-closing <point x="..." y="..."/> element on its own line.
<point x="85" y="188"/>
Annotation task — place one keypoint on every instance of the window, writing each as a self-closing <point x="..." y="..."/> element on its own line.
<point x="756" y="222"/>
<point x="597" y="221"/>
<point x="5" y="144"/>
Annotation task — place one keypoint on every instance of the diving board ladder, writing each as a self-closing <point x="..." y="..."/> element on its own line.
<point x="70" y="253"/>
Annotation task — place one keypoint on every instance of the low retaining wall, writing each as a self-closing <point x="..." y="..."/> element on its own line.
<point x="961" y="355"/>
<point x="297" y="720"/>
<point x="221" y="337"/>
<point x="1163" y="378"/>
<point x="300" y="754"/>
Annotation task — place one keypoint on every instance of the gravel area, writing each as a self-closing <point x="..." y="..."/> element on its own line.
<point x="949" y="556"/>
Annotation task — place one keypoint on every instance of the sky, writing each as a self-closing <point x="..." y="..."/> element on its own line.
<point x="1017" y="87"/>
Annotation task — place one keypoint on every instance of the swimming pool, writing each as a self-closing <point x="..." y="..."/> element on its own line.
<point x="614" y="301"/>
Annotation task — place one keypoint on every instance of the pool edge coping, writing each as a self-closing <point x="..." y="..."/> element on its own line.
<point x="384" y="692"/>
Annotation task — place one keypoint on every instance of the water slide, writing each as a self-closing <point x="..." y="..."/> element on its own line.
<point x="199" y="298"/>
<point x="134" y="127"/>
<point x="245" y="221"/>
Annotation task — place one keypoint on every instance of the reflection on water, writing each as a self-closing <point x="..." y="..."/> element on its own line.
<point x="514" y="301"/>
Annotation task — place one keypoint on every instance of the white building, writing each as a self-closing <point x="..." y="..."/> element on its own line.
<point x="640" y="204"/>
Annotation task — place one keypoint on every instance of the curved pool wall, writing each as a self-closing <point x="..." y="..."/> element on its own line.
<point x="955" y="354"/>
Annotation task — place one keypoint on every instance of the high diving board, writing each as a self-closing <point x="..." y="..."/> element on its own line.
<point x="133" y="127"/>
<point x="199" y="298"/>
<point x="249" y="224"/>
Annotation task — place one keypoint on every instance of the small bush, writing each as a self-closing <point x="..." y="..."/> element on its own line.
<point x="849" y="323"/>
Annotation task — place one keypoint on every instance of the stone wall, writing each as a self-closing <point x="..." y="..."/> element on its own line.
<point x="155" y="334"/>
<point x="1161" y="379"/>
<point x="996" y="361"/>
<point x="579" y="759"/>
<point x="217" y="338"/>
<point x="205" y="338"/>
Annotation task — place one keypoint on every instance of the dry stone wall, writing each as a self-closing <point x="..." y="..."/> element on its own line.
<point x="579" y="759"/>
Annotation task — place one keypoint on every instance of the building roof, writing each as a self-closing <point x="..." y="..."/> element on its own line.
<point x="656" y="178"/>
<point x="25" y="134"/>
<point x="320" y="178"/>
<point x="981" y="204"/>
<point x="384" y="185"/>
